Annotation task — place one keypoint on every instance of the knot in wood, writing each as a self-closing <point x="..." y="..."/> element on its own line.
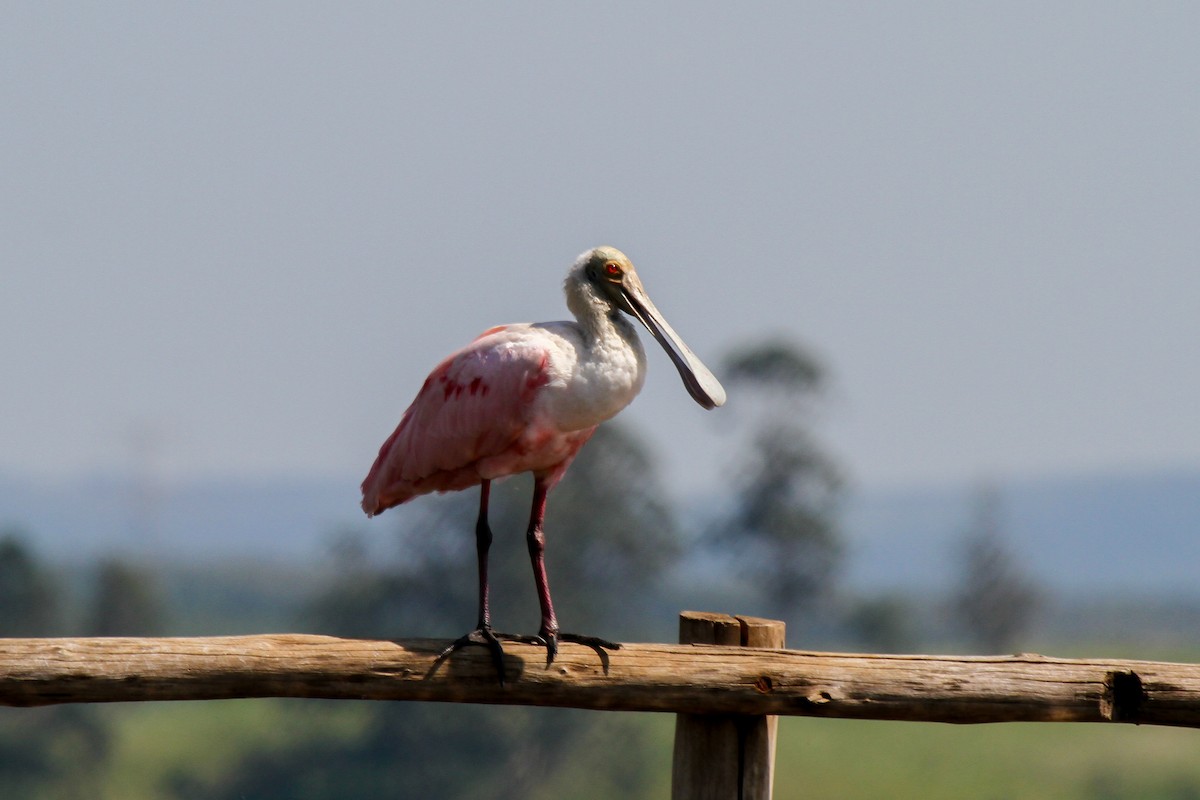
<point x="1123" y="696"/>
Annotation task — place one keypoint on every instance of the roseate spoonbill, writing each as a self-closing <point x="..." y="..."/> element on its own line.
<point x="525" y="398"/>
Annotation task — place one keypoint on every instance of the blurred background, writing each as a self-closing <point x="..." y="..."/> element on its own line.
<point x="942" y="256"/>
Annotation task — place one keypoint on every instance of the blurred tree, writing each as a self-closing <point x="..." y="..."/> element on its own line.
<point x="127" y="602"/>
<point x="608" y="526"/>
<point x="46" y="752"/>
<point x="782" y="530"/>
<point x="609" y="533"/>
<point x="613" y="535"/>
<point x="30" y="603"/>
<point x="883" y="623"/>
<point x="52" y="753"/>
<point x="997" y="601"/>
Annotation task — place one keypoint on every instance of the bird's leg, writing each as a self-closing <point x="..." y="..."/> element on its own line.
<point x="548" y="634"/>
<point x="535" y="539"/>
<point x="482" y="635"/>
<point x="483" y="543"/>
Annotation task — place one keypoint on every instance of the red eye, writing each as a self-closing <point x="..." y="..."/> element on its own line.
<point x="612" y="269"/>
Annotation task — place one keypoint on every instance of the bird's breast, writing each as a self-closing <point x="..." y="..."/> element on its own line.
<point x="592" y="378"/>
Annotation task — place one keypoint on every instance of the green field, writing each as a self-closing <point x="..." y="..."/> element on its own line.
<point x="161" y="745"/>
<point x="856" y="759"/>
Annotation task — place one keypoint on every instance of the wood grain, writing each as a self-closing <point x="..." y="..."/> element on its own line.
<point x="720" y="756"/>
<point x="693" y="679"/>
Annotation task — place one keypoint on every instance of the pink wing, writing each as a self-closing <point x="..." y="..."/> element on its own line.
<point x="474" y="405"/>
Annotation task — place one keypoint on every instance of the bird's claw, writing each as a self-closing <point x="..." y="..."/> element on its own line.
<point x="590" y="641"/>
<point x="550" y="641"/>
<point x="594" y="642"/>
<point x="546" y="640"/>
<point x="483" y="636"/>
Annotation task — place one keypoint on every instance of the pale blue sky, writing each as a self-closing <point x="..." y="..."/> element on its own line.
<point x="254" y="228"/>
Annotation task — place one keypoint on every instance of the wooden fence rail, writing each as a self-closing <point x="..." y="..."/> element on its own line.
<point x="688" y="679"/>
<point x="726" y="682"/>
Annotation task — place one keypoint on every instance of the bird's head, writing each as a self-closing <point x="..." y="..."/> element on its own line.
<point x="605" y="274"/>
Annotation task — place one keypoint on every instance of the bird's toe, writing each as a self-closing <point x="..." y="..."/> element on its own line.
<point x="482" y="636"/>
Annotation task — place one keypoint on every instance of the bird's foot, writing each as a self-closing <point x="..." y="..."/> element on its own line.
<point x="550" y="641"/>
<point x="483" y="636"/>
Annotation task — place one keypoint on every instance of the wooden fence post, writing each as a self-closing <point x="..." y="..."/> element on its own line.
<point x="725" y="756"/>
